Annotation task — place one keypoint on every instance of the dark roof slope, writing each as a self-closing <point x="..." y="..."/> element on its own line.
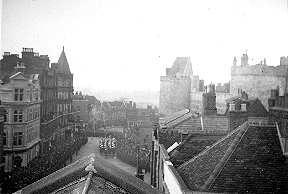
<point x="257" y="165"/>
<point x="73" y="178"/>
<point x="210" y="123"/>
<point x="256" y="109"/>
<point x="248" y="160"/>
<point x="192" y="146"/>
<point x="197" y="171"/>
<point x="175" y="116"/>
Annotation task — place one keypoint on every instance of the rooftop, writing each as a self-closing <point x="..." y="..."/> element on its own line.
<point x="247" y="160"/>
<point x="90" y="174"/>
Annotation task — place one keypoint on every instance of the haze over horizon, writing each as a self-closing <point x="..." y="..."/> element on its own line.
<point x="127" y="45"/>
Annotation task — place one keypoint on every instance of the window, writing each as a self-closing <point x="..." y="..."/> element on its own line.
<point x="36" y="95"/>
<point x="17" y="138"/>
<point x="18" y="115"/>
<point x="5" y="115"/>
<point x="18" y="94"/>
<point x="78" y="108"/>
<point x="4" y="139"/>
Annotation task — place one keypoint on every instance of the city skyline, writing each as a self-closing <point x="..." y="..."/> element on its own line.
<point x="128" y="45"/>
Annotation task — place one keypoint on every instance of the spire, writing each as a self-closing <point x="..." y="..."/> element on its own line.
<point x="63" y="49"/>
<point x="63" y="63"/>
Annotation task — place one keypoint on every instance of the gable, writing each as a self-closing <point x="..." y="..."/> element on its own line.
<point x="256" y="109"/>
<point x="18" y="76"/>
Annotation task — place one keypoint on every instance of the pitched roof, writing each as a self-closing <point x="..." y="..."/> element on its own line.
<point x="175" y="115"/>
<point x="210" y="123"/>
<point x="95" y="173"/>
<point x="197" y="170"/>
<point x="182" y="65"/>
<point x="192" y="146"/>
<point x="248" y="160"/>
<point x="63" y="63"/>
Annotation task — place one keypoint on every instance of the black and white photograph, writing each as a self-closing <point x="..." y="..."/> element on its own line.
<point x="144" y="97"/>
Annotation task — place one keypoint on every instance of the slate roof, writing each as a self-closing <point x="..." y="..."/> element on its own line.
<point x="92" y="173"/>
<point x="180" y="66"/>
<point x="247" y="160"/>
<point x="63" y="64"/>
<point x="210" y="123"/>
<point x="175" y="115"/>
<point x="192" y="146"/>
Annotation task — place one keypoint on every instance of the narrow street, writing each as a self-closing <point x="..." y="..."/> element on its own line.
<point x="92" y="146"/>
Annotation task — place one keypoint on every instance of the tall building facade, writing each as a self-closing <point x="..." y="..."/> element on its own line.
<point x="20" y="96"/>
<point x="56" y="83"/>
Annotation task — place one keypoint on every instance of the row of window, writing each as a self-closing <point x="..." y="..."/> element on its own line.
<point x="19" y="94"/>
<point x="49" y="95"/>
<point x="18" y="136"/>
<point x="63" y="107"/>
<point x="63" y="95"/>
<point x="32" y="114"/>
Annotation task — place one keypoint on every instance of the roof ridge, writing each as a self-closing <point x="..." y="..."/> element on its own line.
<point x="181" y="122"/>
<point x="218" y="168"/>
<point x="212" y="146"/>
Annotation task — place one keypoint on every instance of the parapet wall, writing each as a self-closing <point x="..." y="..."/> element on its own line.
<point x="174" y="94"/>
<point x="260" y="70"/>
<point x="258" y="80"/>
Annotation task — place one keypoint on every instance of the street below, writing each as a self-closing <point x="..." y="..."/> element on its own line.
<point x="92" y="146"/>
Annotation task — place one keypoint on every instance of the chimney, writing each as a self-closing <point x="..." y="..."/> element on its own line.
<point x="234" y="62"/>
<point x="264" y="61"/>
<point x="167" y="70"/>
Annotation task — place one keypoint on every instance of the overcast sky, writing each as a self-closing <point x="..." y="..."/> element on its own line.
<point x="126" y="45"/>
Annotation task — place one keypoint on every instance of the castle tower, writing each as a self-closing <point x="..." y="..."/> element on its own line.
<point x="175" y="87"/>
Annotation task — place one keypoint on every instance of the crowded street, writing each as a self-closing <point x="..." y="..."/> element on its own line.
<point x="92" y="146"/>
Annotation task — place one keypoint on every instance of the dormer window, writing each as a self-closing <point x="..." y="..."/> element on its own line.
<point x="18" y="94"/>
<point x="243" y="107"/>
<point x="231" y="107"/>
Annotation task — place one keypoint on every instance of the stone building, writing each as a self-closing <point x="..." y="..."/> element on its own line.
<point x="56" y="84"/>
<point x="176" y="86"/>
<point x="20" y="95"/>
<point x="180" y="89"/>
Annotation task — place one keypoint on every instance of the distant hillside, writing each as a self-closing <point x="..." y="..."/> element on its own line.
<point x="142" y="98"/>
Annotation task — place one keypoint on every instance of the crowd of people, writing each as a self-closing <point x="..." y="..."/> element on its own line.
<point x="127" y="151"/>
<point x="46" y="163"/>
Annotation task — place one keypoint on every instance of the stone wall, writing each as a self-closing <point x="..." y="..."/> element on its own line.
<point x="258" y="80"/>
<point x="174" y="94"/>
